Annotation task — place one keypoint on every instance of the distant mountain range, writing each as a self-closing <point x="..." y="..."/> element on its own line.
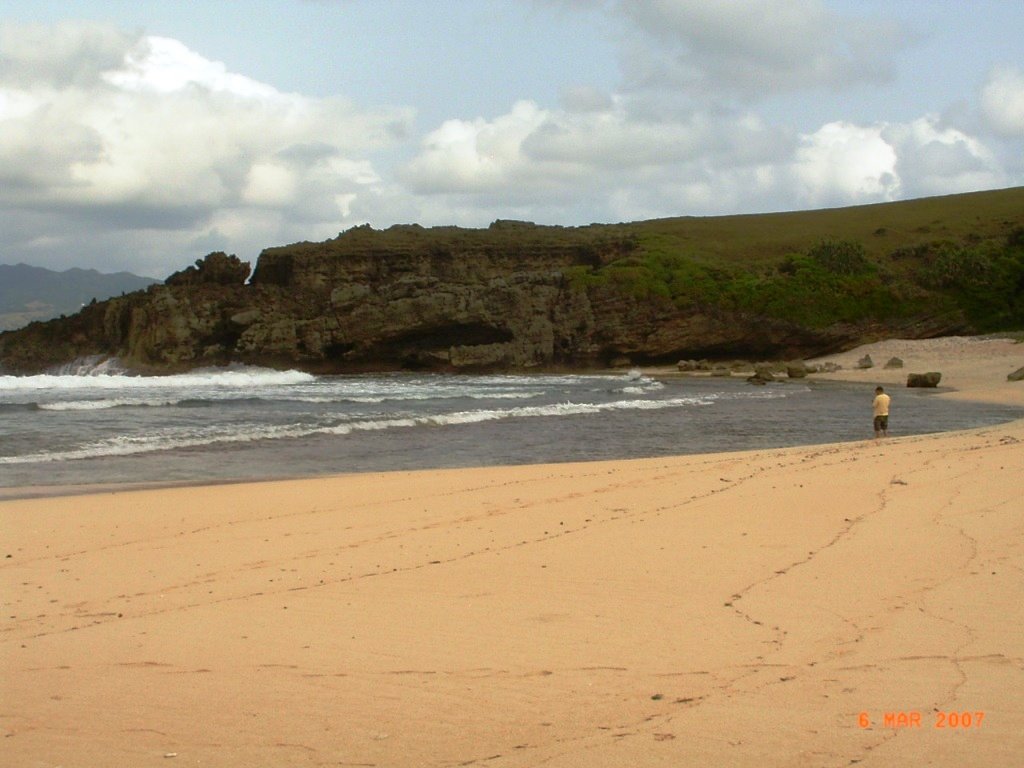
<point x="34" y="293"/>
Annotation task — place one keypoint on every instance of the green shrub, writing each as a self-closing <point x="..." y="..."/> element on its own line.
<point x="833" y="281"/>
<point x="840" y="257"/>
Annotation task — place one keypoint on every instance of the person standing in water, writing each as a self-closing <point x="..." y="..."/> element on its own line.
<point x="881" y="409"/>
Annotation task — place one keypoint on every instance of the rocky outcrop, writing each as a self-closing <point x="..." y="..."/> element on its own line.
<point x="930" y="379"/>
<point x="762" y="375"/>
<point x="216" y="269"/>
<point x="796" y="370"/>
<point x="511" y="297"/>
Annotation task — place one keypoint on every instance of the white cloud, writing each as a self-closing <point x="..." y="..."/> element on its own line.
<point x="163" y="65"/>
<point x="108" y="131"/>
<point x="536" y="152"/>
<point x="624" y="165"/>
<point x="68" y="54"/>
<point x="1002" y="101"/>
<point x="612" y="139"/>
<point x="475" y="155"/>
<point x="270" y="184"/>
<point x="843" y="162"/>
<point x="936" y="159"/>
<point x="748" y="47"/>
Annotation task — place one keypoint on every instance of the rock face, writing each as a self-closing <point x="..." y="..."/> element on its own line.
<point x="930" y="379"/>
<point x="216" y="269"/>
<point x="512" y="297"/>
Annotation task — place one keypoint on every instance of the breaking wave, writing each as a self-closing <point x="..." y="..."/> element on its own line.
<point x="194" y="437"/>
<point x="230" y="378"/>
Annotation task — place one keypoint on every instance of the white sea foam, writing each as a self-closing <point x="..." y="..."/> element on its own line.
<point x="504" y="395"/>
<point x="191" y="437"/>
<point x="94" y="365"/>
<point x="241" y="378"/>
<point x="564" y="409"/>
<point x="454" y="394"/>
<point x="103" y="405"/>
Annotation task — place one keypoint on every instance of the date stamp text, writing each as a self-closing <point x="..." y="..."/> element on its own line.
<point x="942" y="720"/>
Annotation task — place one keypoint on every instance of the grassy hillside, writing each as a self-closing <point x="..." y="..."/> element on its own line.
<point x="953" y="256"/>
<point x="882" y="228"/>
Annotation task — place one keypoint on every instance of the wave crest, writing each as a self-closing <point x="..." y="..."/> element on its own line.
<point x="171" y="439"/>
<point x="243" y="377"/>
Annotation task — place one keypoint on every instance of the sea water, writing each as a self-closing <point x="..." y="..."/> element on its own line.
<point x="96" y="424"/>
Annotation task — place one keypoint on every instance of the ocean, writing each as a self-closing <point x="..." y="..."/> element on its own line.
<point x="97" y="424"/>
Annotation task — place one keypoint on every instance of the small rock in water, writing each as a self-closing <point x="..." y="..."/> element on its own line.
<point x="796" y="370"/>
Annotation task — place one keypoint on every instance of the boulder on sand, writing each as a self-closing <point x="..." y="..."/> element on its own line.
<point x="762" y="375"/>
<point x="930" y="379"/>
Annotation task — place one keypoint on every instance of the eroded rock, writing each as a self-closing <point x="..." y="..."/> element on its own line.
<point x="930" y="379"/>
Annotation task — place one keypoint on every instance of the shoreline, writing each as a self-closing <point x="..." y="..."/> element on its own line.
<point x="974" y="368"/>
<point x="972" y="372"/>
<point x="749" y="608"/>
<point x="43" y="492"/>
<point x="22" y="492"/>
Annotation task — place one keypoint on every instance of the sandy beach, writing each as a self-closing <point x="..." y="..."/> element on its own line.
<point x="975" y="367"/>
<point x="847" y="604"/>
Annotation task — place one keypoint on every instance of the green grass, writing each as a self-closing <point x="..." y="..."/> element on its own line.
<point x="960" y="255"/>
<point x="881" y="228"/>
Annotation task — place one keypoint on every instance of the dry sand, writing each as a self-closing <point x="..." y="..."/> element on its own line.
<point x="975" y="366"/>
<point x="742" y="609"/>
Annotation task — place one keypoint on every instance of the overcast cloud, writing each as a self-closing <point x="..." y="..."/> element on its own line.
<point x="124" y="148"/>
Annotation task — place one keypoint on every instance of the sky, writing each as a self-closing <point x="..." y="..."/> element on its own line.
<point x="141" y="135"/>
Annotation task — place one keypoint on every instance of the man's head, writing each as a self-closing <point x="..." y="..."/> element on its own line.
<point x="879" y="390"/>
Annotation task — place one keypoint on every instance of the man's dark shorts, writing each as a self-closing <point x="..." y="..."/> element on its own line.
<point x="881" y="423"/>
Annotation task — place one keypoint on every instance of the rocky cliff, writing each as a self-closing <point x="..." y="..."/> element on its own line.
<point x="511" y="297"/>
